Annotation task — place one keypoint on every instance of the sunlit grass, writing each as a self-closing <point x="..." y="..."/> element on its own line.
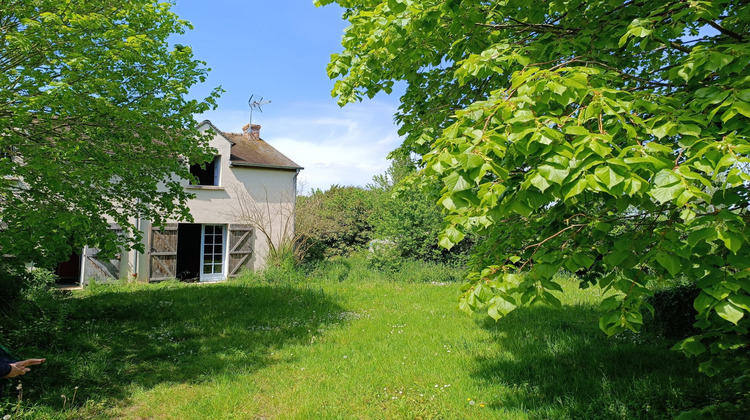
<point x="333" y="345"/>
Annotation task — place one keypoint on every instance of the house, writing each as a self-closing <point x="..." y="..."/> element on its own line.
<point x="244" y="199"/>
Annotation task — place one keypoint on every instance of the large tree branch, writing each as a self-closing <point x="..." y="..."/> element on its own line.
<point x="724" y="30"/>
<point x="541" y="27"/>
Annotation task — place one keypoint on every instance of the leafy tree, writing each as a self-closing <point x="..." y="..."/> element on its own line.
<point x="407" y="215"/>
<point x="603" y="136"/>
<point x="94" y="124"/>
<point x="336" y="221"/>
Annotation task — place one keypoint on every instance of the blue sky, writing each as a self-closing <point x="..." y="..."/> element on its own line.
<point x="278" y="50"/>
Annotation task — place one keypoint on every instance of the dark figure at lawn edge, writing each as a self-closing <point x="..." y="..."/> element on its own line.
<point x="10" y="368"/>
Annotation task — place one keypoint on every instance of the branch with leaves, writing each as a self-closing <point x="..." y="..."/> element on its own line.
<point x="636" y="115"/>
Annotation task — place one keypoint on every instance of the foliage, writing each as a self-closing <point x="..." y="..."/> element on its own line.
<point x="673" y="315"/>
<point x="95" y="127"/>
<point x="406" y="219"/>
<point x="586" y="135"/>
<point x="335" y="222"/>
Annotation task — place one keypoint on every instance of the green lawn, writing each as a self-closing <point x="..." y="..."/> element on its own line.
<point x="344" y="346"/>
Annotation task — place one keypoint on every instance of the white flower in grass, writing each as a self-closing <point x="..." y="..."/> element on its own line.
<point x="6" y="417"/>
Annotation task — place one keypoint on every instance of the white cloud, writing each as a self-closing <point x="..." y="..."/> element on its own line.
<point x="344" y="146"/>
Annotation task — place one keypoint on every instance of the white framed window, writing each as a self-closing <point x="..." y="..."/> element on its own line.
<point x="208" y="173"/>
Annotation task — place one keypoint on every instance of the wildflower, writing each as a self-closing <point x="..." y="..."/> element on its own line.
<point x="6" y="417"/>
<point x="471" y="402"/>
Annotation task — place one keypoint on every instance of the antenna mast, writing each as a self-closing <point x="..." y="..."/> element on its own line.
<point x="256" y="105"/>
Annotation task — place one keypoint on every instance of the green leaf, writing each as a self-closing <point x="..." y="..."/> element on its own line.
<point x="499" y="306"/>
<point x="607" y="176"/>
<point x="741" y="301"/>
<point x="704" y="234"/>
<point x="396" y="6"/>
<point x="703" y="302"/>
<point x="583" y="260"/>
<point x="538" y="181"/>
<point x="456" y="182"/>
<point x="663" y="130"/>
<point x="614" y="258"/>
<point x="691" y="346"/>
<point x="669" y="261"/>
<point x="455" y="235"/>
<point x="576" y="188"/>
<point x="732" y="240"/>
<point x="729" y="312"/>
<point x="668" y="193"/>
<point x="553" y="174"/>
<point x="576" y="130"/>
<point x="741" y="107"/>
<point x="666" y="177"/>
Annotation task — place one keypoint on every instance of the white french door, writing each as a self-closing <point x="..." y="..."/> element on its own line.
<point x="213" y="245"/>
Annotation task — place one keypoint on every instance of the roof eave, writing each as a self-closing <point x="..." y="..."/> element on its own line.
<point x="265" y="166"/>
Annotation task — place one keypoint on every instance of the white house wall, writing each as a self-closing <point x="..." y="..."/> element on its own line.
<point x="227" y="203"/>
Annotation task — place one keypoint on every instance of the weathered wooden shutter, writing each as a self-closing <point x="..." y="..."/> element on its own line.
<point x="99" y="268"/>
<point x="240" y="248"/>
<point x="164" y="252"/>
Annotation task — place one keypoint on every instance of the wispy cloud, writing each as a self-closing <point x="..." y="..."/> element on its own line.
<point x="343" y="146"/>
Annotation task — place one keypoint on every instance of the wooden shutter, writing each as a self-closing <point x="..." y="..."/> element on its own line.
<point x="240" y="248"/>
<point x="164" y="252"/>
<point x="103" y="269"/>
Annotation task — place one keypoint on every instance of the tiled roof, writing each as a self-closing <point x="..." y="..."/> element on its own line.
<point x="247" y="151"/>
<point x="250" y="151"/>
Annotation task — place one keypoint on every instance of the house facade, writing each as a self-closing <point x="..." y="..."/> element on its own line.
<point x="244" y="199"/>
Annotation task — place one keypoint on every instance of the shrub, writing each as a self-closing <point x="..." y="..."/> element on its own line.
<point x="674" y="314"/>
<point x="409" y="217"/>
<point x="384" y="255"/>
<point x="335" y="222"/>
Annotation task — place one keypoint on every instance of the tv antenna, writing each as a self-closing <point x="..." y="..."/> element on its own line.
<point x="256" y="105"/>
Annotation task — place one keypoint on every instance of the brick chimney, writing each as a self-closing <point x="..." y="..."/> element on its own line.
<point x="251" y="131"/>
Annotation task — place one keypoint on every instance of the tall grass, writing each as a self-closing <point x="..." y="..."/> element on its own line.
<point x="342" y="341"/>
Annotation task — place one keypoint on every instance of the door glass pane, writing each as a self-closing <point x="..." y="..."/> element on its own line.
<point x="213" y="251"/>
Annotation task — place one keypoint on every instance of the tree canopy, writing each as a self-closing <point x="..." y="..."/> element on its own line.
<point x="609" y="138"/>
<point x="94" y="123"/>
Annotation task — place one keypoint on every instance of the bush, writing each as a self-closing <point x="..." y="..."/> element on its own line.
<point x="335" y="222"/>
<point x="409" y="217"/>
<point x="384" y="255"/>
<point x="674" y="314"/>
<point x="34" y="317"/>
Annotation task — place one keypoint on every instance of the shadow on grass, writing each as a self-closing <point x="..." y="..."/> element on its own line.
<point x="114" y="341"/>
<point x="558" y="364"/>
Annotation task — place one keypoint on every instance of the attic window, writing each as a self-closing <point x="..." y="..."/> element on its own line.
<point x="206" y="173"/>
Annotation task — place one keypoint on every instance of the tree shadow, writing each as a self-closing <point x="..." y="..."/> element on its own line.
<point x="115" y="341"/>
<point x="556" y="363"/>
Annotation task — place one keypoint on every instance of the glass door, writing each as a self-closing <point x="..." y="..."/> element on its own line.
<point x="212" y="252"/>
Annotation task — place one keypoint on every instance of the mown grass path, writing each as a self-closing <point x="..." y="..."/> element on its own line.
<point x="348" y="350"/>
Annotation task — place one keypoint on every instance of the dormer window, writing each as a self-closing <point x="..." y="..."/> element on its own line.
<point x="206" y="173"/>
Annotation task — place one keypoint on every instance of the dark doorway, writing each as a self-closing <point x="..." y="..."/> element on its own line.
<point x="188" y="251"/>
<point x="69" y="272"/>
